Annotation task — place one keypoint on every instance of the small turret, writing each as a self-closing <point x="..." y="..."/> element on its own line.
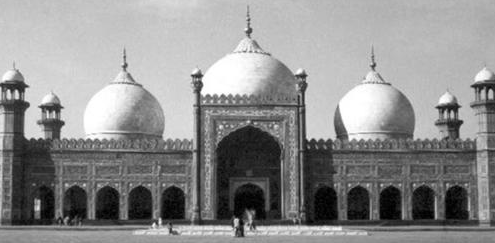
<point x="448" y="122"/>
<point x="50" y="121"/>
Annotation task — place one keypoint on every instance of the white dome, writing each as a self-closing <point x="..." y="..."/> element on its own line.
<point x="50" y="99"/>
<point x="374" y="110"/>
<point x="249" y="71"/>
<point x="484" y="75"/>
<point x="447" y="99"/>
<point x="123" y="110"/>
<point x="12" y="75"/>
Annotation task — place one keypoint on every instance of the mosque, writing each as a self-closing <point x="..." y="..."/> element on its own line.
<point x="249" y="150"/>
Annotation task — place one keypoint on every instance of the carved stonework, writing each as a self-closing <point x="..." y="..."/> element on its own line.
<point x="140" y="169"/>
<point x="389" y="171"/>
<point x="391" y="144"/>
<point x="456" y="169"/>
<point x="359" y="170"/>
<point x="107" y="170"/>
<point x="173" y="169"/>
<point x="423" y="169"/>
<point x="278" y="122"/>
<point x="75" y="170"/>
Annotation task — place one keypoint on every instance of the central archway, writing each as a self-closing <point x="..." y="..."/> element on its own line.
<point x="249" y="197"/>
<point x="248" y="152"/>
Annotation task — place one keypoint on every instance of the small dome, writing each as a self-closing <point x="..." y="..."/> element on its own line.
<point x="484" y="75"/>
<point x="123" y="110"/>
<point x="447" y="99"/>
<point x="50" y="99"/>
<point x="12" y="75"/>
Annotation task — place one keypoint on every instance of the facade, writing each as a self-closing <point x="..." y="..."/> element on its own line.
<point x="249" y="151"/>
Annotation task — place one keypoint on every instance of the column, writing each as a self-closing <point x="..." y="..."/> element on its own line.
<point x="197" y="85"/>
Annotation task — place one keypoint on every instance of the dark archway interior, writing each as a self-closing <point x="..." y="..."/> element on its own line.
<point x="140" y="203"/>
<point x="325" y="204"/>
<point x="173" y="204"/>
<point x="456" y="203"/>
<point x="248" y="152"/>
<point x="423" y="203"/>
<point x="107" y="203"/>
<point x="43" y="204"/>
<point x="358" y="204"/>
<point x="75" y="202"/>
<point x="249" y="197"/>
<point x="390" y="204"/>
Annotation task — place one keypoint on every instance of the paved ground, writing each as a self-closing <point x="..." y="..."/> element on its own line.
<point x="69" y="236"/>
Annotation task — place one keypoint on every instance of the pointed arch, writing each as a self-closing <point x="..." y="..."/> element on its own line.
<point x="456" y="203"/>
<point x="173" y="203"/>
<point x="423" y="203"/>
<point x="75" y="202"/>
<point x="140" y="203"/>
<point x="43" y="200"/>
<point x="107" y="203"/>
<point x="358" y="204"/>
<point x="325" y="204"/>
<point x="390" y="203"/>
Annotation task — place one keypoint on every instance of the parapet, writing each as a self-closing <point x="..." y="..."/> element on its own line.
<point x="391" y="144"/>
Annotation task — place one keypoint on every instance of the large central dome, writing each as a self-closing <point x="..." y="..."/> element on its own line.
<point x="374" y="110"/>
<point x="123" y="110"/>
<point x="249" y="70"/>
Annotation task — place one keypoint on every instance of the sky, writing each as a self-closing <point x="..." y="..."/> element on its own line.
<point x="73" y="48"/>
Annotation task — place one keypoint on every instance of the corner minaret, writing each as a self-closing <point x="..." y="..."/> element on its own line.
<point x="12" y="108"/>
<point x="484" y="107"/>
<point x="448" y="122"/>
<point x="51" y="122"/>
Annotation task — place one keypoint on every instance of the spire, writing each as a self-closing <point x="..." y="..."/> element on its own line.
<point x="373" y="63"/>
<point x="13" y="66"/>
<point x="248" y="30"/>
<point x="124" y="63"/>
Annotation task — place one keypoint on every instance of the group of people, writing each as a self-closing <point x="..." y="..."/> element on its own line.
<point x="159" y="224"/>
<point x="68" y="221"/>
<point x="246" y="220"/>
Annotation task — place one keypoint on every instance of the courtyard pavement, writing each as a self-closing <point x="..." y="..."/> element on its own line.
<point x="106" y="234"/>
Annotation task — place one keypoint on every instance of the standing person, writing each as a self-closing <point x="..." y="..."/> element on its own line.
<point x="160" y="222"/>
<point x="236" y="224"/>
<point x="252" y="214"/>
<point x="60" y="220"/>
<point x="170" y="228"/>
<point x="241" y="227"/>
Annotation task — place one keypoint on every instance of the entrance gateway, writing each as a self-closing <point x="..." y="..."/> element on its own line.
<point x="249" y="193"/>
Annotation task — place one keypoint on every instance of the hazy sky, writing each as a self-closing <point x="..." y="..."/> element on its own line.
<point x="74" y="48"/>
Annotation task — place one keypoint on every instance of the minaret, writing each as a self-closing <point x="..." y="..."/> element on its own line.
<point x="448" y="122"/>
<point x="12" y="108"/>
<point x="484" y="107"/>
<point x="50" y="121"/>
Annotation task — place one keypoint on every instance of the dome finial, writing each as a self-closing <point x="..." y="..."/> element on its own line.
<point x="248" y="30"/>
<point x="373" y="63"/>
<point x="124" y="57"/>
<point x="13" y="65"/>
